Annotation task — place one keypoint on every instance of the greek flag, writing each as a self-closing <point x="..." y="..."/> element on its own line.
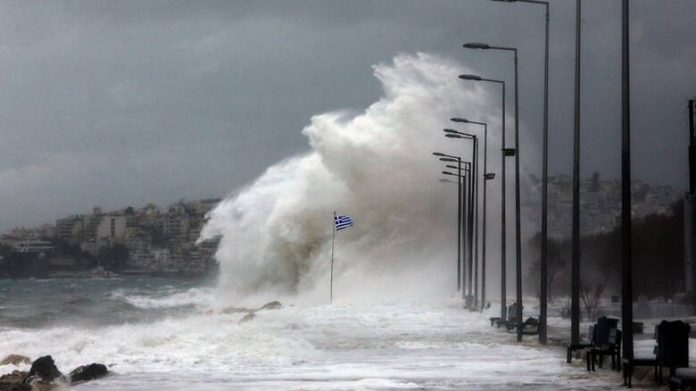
<point x="343" y="222"/>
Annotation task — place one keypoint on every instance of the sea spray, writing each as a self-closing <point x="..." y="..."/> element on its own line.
<point x="377" y="167"/>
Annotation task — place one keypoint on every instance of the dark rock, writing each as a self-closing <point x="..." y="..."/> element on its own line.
<point x="14" y="382"/>
<point x="45" y="369"/>
<point x="248" y="317"/>
<point x="15" y="359"/>
<point x="274" y="305"/>
<point x="88" y="372"/>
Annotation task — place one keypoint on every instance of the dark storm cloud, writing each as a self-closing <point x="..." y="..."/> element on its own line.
<point x="117" y="103"/>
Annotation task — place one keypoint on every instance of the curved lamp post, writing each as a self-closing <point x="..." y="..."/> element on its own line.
<point x="465" y="213"/>
<point x="486" y="177"/>
<point x="543" y="294"/>
<point x="459" y="218"/>
<point x="503" y="230"/>
<point x="473" y="238"/>
<point x="451" y="158"/>
<point x="518" y="231"/>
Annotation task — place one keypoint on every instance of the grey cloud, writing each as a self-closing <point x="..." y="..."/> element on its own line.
<point x="158" y="100"/>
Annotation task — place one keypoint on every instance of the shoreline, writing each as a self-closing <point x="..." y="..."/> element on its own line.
<point x="127" y="274"/>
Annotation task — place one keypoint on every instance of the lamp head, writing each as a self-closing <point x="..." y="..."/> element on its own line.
<point x="460" y="120"/>
<point x="469" y="77"/>
<point x="476" y="45"/>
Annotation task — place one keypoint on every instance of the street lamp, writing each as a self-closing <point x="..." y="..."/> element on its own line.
<point x="457" y="159"/>
<point x="518" y="223"/>
<point x="473" y="237"/>
<point x="465" y="186"/>
<point x="486" y="177"/>
<point x="543" y="293"/>
<point x="575" y="252"/>
<point x="467" y="222"/>
<point x="503" y="231"/>
<point x="626" y="262"/>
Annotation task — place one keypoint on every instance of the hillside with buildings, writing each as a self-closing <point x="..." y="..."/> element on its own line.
<point x="600" y="204"/>
<point x="148" y="240"/>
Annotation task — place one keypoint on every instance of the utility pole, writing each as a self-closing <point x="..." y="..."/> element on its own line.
<point x="626" y="256"/>
<point x="575" y="260"/>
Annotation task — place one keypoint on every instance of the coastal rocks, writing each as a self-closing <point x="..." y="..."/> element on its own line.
<point x="44" y="375"/>
<point x="87" y="372"/>
<point x="247" y="317"/>
<point x="13" y="382"/>
<point x="45" y="369"/>
<point x="274" y="305"/>
<point x="15" y="359"/>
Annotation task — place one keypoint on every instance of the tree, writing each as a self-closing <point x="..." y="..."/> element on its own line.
<point x="590" y="294"/>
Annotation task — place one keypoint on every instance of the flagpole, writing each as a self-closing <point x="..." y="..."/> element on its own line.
<point x="333" y="240"/>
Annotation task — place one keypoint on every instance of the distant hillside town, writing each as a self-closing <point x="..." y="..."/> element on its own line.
<point x="150" y="240"/>
<point x="600" y="204"/>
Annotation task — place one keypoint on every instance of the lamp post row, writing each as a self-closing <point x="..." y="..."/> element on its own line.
<point x="486" y="177"/>
<point x="516" y="154"/>
<point x="474" y="210"/>
<point x="543" y="285"/>
<point x="463" y="203"/>
<point x="503" y="230"/>
<point x="471" y="209"/>
<point x="471" y="225"/>
<point x="544" y="196"/>
<point x="627" y="314"/>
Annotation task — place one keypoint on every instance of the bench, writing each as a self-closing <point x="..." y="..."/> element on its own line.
<point x="682" y="377"/>
<point x="629" y="364"/>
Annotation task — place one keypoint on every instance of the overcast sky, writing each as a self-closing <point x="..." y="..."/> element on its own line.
<point x="117" y="103"/>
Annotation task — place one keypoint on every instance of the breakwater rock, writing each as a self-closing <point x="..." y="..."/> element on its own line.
<point x="45" y="375"/>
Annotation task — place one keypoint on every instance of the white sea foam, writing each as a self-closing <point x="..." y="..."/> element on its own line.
<point x="343" y="346"/>
<point x="377" y="167"/>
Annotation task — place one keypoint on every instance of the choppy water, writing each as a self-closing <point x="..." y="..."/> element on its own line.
<point x="159" y="333"/>
<point x="36" y="303"/>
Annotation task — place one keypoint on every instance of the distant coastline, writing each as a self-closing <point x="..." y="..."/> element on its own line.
<point x="146" y="241"/>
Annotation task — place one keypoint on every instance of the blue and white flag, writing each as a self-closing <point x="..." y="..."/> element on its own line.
<point x="343" y="222"/>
